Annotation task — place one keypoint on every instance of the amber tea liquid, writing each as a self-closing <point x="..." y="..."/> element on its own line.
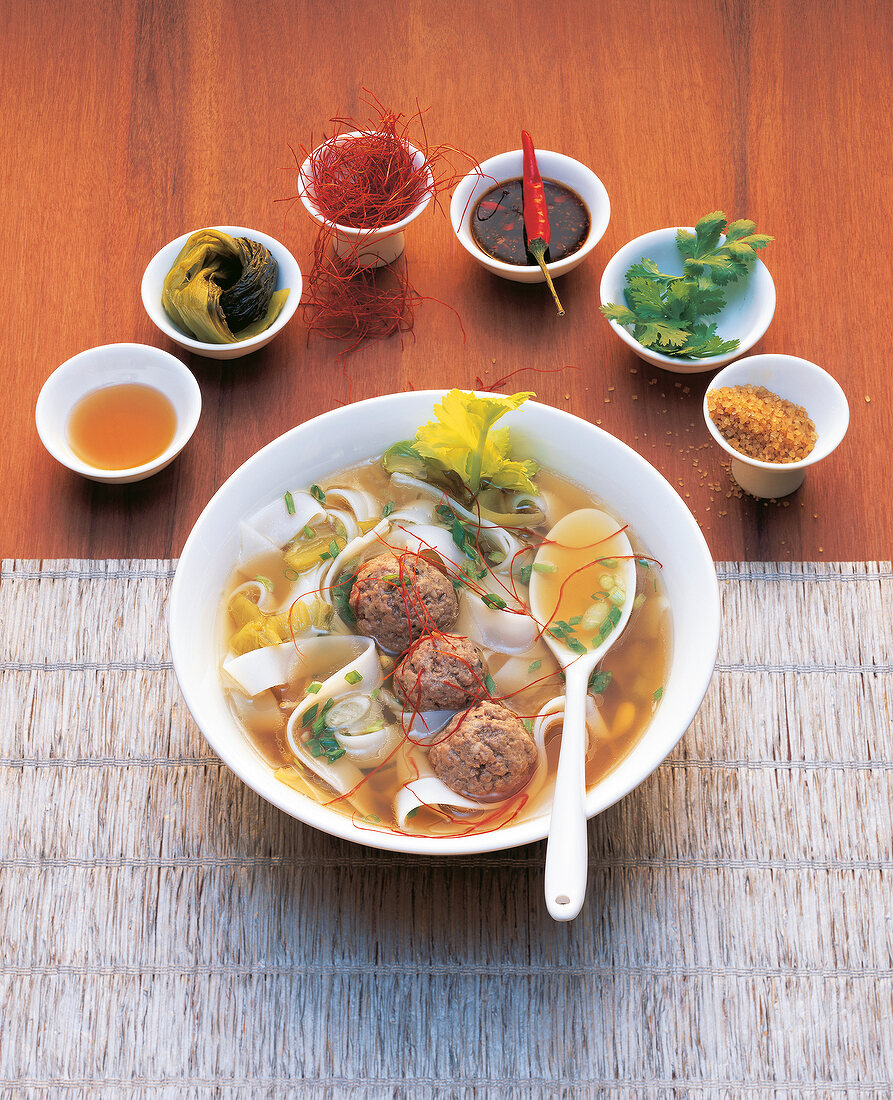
<point x="118" y="427"/>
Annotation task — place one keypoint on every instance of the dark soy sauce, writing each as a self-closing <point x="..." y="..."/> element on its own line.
<point x="497" y="223"/>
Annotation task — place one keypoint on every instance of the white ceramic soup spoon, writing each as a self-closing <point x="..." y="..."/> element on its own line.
<point x="582" y="587"/>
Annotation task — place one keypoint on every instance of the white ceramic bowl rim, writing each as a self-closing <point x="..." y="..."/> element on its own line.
<point x="469" y="183"/>
<point x="823" y="447"/>
<point x="186" y="424"/>
<point x="288" y="270"/>
<point x="353" y="230"/>
<point x="355" y="432"/>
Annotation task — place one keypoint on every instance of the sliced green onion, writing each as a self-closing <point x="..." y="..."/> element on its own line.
<point x="334" y="549"/>
<point x="412" y="813"/>
<point x="490" y="684"/>
<point x="610" y="622"/>
<point x="353" y="677"/>
<point x="658" y="694"/>
<point x="594" y="616"/>
<point x="496" y="602"/>
<point x="266" y="582"/>
<point x="528" y="724"/>
<point x="607" y="581"/>
<point x="609" y="563"/>
<point x="618" y="596"/>
<point x="575" y="645"/>
<point x="289" y="503"/>
<point x="599" y="681"/>
<point x="524" y="574"/>
<point x="309" y="715"/>
<point x="387" y="509"/>
<point x="317" y="494"/>
<point x="576" y="620"/>
<point x="638" y="601"/>
<point x="534" y="665"/>
<point x="308" y="533"/>
<point x="545" y="567"/>
<point x="313" y="688"/>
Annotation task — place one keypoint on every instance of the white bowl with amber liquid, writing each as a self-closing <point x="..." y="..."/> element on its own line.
<point x="87" y="445"/>
<point x="574" y="449"/>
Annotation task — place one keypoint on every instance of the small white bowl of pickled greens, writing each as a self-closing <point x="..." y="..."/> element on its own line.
<point x="274" y="582"/>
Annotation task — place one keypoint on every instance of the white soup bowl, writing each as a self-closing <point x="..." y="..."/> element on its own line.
<point x="574" y="448"/>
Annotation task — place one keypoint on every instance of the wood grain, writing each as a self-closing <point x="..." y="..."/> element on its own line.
<point x="165" y="933"/>
<point x="131" y="123"/>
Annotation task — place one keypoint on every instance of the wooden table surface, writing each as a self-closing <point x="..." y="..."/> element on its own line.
<point x="129" y="124"/>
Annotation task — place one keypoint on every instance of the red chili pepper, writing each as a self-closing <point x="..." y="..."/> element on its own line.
<point x="536" y="213"/>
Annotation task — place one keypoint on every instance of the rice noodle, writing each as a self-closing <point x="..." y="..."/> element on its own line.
<point x="261" y="669"/>
<point x="275" y="524"/>
<point x="341" y="775"/>
<point x="502" y="631"/>
<point x="364" y="506"/>
<point x="421" y="537"/>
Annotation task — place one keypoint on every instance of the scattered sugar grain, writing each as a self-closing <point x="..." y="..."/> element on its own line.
<point x="760" y="424"/>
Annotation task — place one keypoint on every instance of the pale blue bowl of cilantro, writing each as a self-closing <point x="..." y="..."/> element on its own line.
<point x="690" y="300"/>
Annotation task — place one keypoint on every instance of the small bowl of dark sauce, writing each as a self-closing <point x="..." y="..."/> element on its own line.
<point x="487" y="214"/>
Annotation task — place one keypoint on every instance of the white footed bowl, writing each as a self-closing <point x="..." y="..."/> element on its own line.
<point x="750" y="303"/>
<point x="620" y="477"/>
<point x="796" y="380"/>
<point x="163" y="261"/>
<point x="554" y="166"/>
<point x="368" y="247"/>
<point x="110" y="365"/>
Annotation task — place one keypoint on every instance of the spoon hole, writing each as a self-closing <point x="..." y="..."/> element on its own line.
<point x="562" y="899"/>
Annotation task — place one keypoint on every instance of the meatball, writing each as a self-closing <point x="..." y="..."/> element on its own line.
<point x="442" y="673"/>
<point x="484" y="752"/>
<point x="396" y="600"/>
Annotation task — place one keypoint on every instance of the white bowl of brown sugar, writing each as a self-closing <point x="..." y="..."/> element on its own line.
<point x="775" y="416"/>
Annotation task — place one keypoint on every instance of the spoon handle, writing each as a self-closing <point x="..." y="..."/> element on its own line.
<point x="567" y="851"/>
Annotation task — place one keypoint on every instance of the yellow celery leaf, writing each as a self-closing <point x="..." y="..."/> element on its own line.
<point x="461" y="439"/>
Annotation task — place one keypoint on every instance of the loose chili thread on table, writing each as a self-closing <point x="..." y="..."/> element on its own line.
<point x="500" y="382"/>
<point x="536" y="213"/>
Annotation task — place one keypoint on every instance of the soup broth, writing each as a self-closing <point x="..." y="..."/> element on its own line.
<point x="278" y="610"/>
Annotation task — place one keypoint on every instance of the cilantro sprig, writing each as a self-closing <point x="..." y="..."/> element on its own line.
<point x="665" y="311"/>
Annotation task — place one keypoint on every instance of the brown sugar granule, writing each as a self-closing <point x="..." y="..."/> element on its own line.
<point x="760" y="424"/>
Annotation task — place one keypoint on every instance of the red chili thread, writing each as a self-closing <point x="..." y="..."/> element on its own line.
<point x="482" y="384"/>
<point x="369" y="181"/>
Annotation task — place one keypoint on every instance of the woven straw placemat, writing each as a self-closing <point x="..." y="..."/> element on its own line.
<point x="165" y="933"/>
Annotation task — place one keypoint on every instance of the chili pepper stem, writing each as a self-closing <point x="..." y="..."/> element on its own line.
<point x="537" y="249"/>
